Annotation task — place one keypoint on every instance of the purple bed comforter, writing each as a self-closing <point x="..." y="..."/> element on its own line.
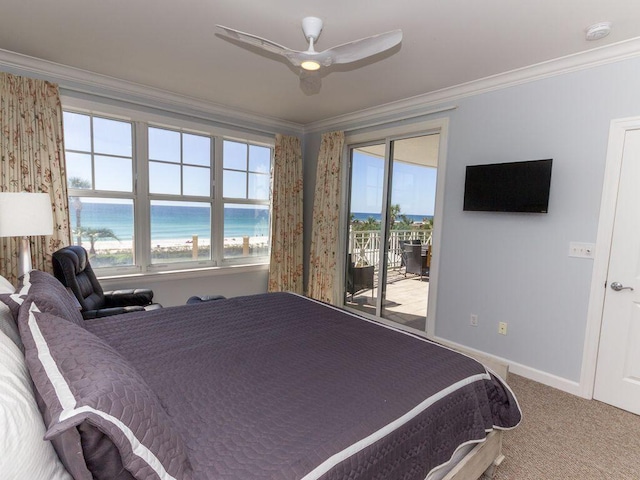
<point x="277" y="386"/>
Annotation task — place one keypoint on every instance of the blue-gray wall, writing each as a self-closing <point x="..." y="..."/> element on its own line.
<point x="515" y="268"/>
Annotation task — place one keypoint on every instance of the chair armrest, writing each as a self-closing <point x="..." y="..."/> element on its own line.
<point x="123" y="298"/>
<point x="107" y="312"/>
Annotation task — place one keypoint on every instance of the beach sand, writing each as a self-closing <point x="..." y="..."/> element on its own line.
<point x="115" y="245"/>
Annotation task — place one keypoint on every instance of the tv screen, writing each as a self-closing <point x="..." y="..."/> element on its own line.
<point x="508" y="187"/>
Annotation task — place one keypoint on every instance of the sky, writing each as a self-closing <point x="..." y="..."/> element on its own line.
<point x="179" y="163"/>
<point x="414" y="186"/>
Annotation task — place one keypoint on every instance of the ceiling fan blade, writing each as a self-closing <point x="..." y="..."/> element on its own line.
<point x="359" y="49"/>
<point x="256" y="41"/>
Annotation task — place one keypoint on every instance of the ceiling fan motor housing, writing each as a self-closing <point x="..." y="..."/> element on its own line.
<point x="311" y="26"/>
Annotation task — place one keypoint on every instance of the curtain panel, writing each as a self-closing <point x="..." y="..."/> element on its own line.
<point x="32" y="160"/>
<point x="326" y="221"/>
<point x="285" y="268"/>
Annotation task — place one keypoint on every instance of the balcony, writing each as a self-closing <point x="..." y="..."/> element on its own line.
<point x="405" y="299"/>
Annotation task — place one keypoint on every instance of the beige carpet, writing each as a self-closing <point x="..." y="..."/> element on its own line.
<point x="566" y="437"/>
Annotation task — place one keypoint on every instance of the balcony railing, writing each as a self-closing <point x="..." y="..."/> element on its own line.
<point x="364" y="245"/>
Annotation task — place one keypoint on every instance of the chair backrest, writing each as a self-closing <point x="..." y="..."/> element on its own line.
<point x="413" y="258"/>
<point x="71" y="266"/>
<point x="413" y="249"/>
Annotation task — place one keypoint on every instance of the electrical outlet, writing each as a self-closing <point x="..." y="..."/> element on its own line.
<point x="502" y="328"/>
<point x="474" y="320"/>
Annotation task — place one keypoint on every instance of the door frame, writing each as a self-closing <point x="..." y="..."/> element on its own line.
<point x="613" y="164"/>
<point x="440" y="126"/>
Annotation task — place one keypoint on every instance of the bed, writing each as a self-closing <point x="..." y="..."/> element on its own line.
<point x="271" y="386"/>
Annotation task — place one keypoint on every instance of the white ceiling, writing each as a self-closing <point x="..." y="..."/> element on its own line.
<point x="172" y="45"/>
<point x="422" y="150"/>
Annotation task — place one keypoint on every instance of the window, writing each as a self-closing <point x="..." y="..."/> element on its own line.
<point x="246" y="186"/>
<point x="180" y="170"/>
<point x="145" y="197"/>
<point x="99" y="158"/>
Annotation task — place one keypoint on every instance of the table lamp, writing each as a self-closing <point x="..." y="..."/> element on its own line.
<point x="23" y="214"/>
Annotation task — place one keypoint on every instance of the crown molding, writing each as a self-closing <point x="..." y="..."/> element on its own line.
<point x="83" y="81"/>
<point x="426" y="104"/>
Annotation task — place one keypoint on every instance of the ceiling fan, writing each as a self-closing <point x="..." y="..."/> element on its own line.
<point x="310" y="60"/>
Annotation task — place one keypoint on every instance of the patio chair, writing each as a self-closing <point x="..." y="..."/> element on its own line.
<point x="359" y="278"/>
<point x="415" y="262"/>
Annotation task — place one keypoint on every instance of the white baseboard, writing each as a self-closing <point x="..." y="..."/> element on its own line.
<point x="539" y="376"/>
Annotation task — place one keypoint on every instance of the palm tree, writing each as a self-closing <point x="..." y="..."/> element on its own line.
<point x="394" y="212"/>
<point x="402" y="222"/>
<point x="76" y="183"/>
<point x="95" y="234"/>
<point x="370" y="224"/>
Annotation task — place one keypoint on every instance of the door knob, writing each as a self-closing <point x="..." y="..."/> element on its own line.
<point x="617" y="286"/>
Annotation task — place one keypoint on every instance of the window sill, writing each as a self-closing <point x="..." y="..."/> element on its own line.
<point x="179" y="274"/>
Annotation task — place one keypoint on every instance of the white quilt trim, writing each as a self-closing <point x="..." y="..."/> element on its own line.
<point x="332" y="461"/>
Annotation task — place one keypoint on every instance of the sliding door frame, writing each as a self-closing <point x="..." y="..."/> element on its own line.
<point x="387" y="135"/>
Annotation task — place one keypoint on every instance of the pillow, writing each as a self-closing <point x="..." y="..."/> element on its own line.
<point x="5" y="286"/>
<point x="15" y="298"/>
<point x="8" y="325"/>
<point x="24" y="452"/>
<point x="86" y="383"/>
<point x="52" y="296"/>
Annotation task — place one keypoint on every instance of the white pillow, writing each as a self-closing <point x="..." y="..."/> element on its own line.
<point x="24" y="454"/>
<point x="8" y="325"/>
<point x="5" y="286"/>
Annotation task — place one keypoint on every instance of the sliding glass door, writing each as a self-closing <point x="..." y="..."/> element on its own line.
<point x="389" y="245"/>
<point x="365" y="228"/>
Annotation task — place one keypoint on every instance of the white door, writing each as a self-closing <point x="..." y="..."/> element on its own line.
<point x="618" y="368"/>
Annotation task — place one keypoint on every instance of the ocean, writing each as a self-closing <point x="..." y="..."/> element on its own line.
<point x="365" y="216"/>
<point x="171" y="221"/>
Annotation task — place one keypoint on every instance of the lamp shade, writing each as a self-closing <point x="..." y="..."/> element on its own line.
<point x="25" y="214"/>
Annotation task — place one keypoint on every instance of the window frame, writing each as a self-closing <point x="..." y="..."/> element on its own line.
<point x="141" y="121"/>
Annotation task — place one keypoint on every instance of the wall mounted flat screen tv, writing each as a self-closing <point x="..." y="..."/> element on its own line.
<point x="508" y="187"/>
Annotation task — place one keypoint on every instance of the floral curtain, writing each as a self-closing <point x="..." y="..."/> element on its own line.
<point x="285" y="269"/>
<point x="32" y="160"/>
<point x="326" y="220"/>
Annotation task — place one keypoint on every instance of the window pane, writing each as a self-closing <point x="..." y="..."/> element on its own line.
<point x="164" y="178"/>
<point x="105" y="228"/>
<point x="112" y="137"/>
<point x="259" y="159"/>
<point x="196" y="181"/>
<point x="78" y="170"/>
<point x="196" y="150"/>
<point x="246" y="230"/>
<point x="164" y="145"/>
<point x="234" y="155"/>
<point x="77" y="131"/>
<point x="258" y="186"/>
<point x="234" y="184"/>
<point x="113" y="174"/>
<point x="180" y="231"/>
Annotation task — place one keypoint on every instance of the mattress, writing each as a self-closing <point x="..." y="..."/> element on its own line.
<point x="278" y="386"/>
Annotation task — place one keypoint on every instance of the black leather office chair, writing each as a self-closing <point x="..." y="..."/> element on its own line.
<point x="72" y="268"/>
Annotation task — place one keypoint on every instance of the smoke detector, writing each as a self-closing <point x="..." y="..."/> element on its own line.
<point x="598" y="31"/>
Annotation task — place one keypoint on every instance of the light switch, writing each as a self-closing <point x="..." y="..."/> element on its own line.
<point x="582" y="250"/>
